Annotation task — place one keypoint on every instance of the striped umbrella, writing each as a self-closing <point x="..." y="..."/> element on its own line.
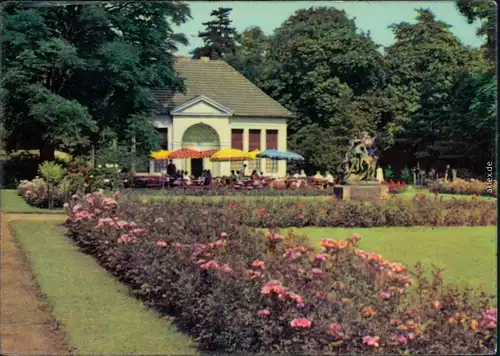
<point x="208" y="153"/>
<point x="186" y="153"/>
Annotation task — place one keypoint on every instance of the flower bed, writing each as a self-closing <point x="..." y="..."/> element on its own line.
<point x="421" y="211"/>
<point x="396" y="187"/>
<point x="462" y="186"/>
<point x="237" y="290"/>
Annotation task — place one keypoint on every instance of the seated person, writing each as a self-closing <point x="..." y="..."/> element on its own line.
<point x="318" y="175"/>
<point x="254" y="175"/>
<point x="186" y="178"/>
<point x="296" y="176"/>
<point x="241" y="174"/>
<point x="302" y="174"/>
<point x="203" y="177"/>
<point x="234" y="177"/>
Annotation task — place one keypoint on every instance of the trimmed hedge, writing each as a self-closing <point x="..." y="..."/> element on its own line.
<point x="237" y="290"/>
<point x="262" y="192"/>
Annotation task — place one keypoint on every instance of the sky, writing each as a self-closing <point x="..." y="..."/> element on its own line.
<point x="374" y="16"/>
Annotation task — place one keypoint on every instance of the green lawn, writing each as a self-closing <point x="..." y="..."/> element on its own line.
<point x="13" y="203"/>
<point x="467" y="253"/>
<point x="98" y="314"/>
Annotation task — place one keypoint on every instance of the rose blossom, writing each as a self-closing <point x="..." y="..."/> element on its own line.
<point x="384" y="295"/>
<point x="226" y="269"/>
<point x="210" y="265"/>
<point x="402" y="340"/>
<point x="321" y="257"/>
<point x="159" y="220"/>
<point x="371" y="341"/>
<point x="263" y="312"/>
<point x="258" y="264"/>
<point x="300" y="323"/>
<point x="161" y="243"/>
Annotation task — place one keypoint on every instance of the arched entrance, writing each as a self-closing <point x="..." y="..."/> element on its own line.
<point x="201" y="137"/>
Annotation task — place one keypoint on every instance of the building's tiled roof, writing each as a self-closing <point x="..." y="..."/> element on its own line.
<point x="220" y="82"/>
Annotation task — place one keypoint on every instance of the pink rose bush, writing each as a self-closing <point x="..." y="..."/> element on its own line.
<point x="240" y="290"/>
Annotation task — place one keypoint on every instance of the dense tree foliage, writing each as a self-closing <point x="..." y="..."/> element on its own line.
<point x="438" y="79"/>
<point x="73" y="72"/>
<point x="76" y="75"/>
<point x="331" y="75"/>
<point x="428" y="98"/>
<point x="218" y="37"/>
<point x="251" y="57"/>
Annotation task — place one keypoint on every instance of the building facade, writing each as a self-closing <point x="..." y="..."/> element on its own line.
<point x="220" y="109"/>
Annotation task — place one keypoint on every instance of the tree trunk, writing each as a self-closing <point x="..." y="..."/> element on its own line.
<point x="47" y="151"/>
<point x="134" y="155"/>
<point x="92" y="156"/>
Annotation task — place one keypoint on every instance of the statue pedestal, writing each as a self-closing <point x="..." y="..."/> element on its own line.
<point x="366" y="191"/>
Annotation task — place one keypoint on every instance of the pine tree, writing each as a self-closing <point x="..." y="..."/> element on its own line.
<point x="219" y="36"/>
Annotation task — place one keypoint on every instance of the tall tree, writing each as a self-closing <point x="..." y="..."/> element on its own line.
<point x="486" y="12"/>
<point x="218" y="37"/>
<point x="424" y="65"/>
<point x="251" y="57"/>
<point x="320" y="66"/>
<point x="74" y="71"/>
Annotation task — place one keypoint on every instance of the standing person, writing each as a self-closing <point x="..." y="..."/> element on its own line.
<point x="208" y="178"/>
<point x="242" y="172"/>
<point x="171" y="169"/>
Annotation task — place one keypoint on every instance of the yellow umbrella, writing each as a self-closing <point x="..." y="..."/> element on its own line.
<point x="231" y="155"/>
<point x="161" y="155"/>
<point x="253" y="154"/>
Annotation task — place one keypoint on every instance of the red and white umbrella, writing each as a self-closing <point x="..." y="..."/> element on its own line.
<point x="186" y="153"/>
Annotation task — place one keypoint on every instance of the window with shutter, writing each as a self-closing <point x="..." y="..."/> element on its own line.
<point x="271" y="139"/>
<point x="164" y="138"/>
<point x="237" y="139"/>
<point x="237" y="143"/>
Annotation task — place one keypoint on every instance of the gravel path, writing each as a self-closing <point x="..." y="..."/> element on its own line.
<point x="26" y="325"/>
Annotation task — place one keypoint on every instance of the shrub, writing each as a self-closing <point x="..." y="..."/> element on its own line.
<point x="36" y="193"/>
<point x="107" y="176"/>
<point x="462" y="186"/>
<point x="237" y="290"/>
<point x="52" y="174"/>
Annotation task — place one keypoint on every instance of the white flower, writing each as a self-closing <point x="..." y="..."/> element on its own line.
<point x="106" y="181"/>
<point x="99" y="166"/>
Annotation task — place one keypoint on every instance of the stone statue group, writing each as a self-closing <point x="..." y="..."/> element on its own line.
<point x="360" y="161"/>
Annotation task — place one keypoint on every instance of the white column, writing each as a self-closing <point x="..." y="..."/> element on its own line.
<point x="262" y="148"/>
<point x="151" y="167"/>
<point x="245" y="140"/>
